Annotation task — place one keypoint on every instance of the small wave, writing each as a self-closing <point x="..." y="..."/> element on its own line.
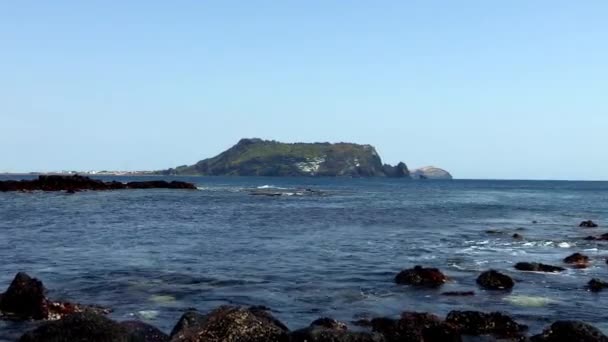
<point x="268" y="186"/>
<point x="529" y="301"/>
<point x="147" y="314"/>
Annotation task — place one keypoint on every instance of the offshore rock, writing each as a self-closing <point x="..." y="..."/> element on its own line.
<point x="72" y="184"/>
<point x="578" y="260"/>
<point x="538" y="267"/>
<point x="566" y="331"/>
<point x="494" y="280"/>
<point x="588" y="224"/>
<point x="230" y="324"/>
<point x="430" y="172"/>
<point x="331" y="330"/>
<point x="596" y="285"/>
<point x="420" y="276"/>
<point x="479" y="323"/>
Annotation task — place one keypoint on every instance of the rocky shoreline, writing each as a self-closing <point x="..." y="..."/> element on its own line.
<point x="25" y="299"/>
<point x="81" y="183"/>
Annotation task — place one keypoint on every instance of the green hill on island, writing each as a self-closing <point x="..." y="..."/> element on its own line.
<point x="257" y="157"/>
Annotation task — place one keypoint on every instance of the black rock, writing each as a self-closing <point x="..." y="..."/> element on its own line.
<point x="141" y="331"/>
<point x="588" y="224"/>
<point x="230" y="324"/>
<point x="570" y="331"/>
<point x="578" y="260"/>
<point x="538" y="267"/>
<point x="494" y="280"/>
<point x="80" y="327"/>
<point x="25" y="298"/>
<point x="420" y="276"/>
<point x="596" y="285"/>
<point x="458" y="293"/>
<point x="415" y="327"/>
<point x="331" y="330"/>
<point x="479" y="323"/>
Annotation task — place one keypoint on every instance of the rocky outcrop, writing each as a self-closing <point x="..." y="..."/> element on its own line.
<point x="80" y="183"/>
<point x="537" y="267"/>
<point x="257" y="157"/>
<point x="420" y="276"/>
<point x="25" y="299"/>
<point x="230" y="324"/>
<point x="430" y="172"/>
<point x="578" y="260"/>
<point x="588" y="224"/>
<point x="494" y="280"/>
<point x="566" y="331"/>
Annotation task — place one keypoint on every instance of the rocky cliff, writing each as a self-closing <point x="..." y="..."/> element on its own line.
<point x="256" y="157"/>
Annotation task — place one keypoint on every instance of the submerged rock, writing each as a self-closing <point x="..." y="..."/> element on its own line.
<point x="538" y="267"/>
<point x="567" y="331"/>
<point x="479" y="323"/>
<point x="230" y="324"/>
<point x="596" y="285"/>
<point x="494" y="280"/>
<point x="517" y="236"/>
<point x="578" y="260"/>
<point x="331" y="330"/>
<point x="420" y="276"/>
<point x="588" y="224"/>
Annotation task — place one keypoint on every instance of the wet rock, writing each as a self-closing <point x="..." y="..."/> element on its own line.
<point x="415" y="327"/>
<point x="517" y="236"/>
<point x="191" y="320"/>
<point x="331" y="330"/>
<point x="458" y="293"/>
<point x="141" y="331"/>
<point x="494" y="280"/>
<point x="479" y="323"/>
<point x="588" y="224"/>
<point x="494" y="232"/>
<point x="567" y="331"/>
<point x="25" y="298"/>
<point x="578" y="260"/>
<point x="603" y="237"/>
<point x="419" y="276"/>
<point x="74" y="183"/>
<point x="231" y="324"/>
<point x="80" y="327"/>
<point x="160" y="185"/>
<point x="596" y="285"/>
<point x="537" y="267"/>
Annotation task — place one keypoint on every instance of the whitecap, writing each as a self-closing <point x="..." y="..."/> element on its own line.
<point x="564" y="245"/>
<point x="147" y="314"/>
<point x="529" y="301"/>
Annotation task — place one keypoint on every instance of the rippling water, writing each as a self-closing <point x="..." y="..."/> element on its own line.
<point x="150" y="254"/>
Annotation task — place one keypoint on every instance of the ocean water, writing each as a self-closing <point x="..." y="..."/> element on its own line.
<point x="151" y="254"/>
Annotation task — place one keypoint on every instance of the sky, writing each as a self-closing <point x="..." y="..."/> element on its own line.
<point x="512" y="89"/>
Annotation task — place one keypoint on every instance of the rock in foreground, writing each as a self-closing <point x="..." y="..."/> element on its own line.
<point x="479" y="323"/>
<point x="578" y="260"/>
<point x="79" y="183"/>
<point x="566" y="331"/>
<point x="327" y="329"/>
<point x="420" y="276"/>
<point x="25" y="299"/>
<point x="231" y="324"/>
<point x="494" y="280"/>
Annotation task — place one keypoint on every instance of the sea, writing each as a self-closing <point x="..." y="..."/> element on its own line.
<point x="330" y="252"/>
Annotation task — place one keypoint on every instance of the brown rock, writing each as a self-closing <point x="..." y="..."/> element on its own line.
<point x="419" y="276"/>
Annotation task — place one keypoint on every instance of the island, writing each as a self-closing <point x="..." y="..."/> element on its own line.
<point x="258" y="157"/>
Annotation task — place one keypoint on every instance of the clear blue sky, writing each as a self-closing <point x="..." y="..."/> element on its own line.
<point x="485" y="89"/>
